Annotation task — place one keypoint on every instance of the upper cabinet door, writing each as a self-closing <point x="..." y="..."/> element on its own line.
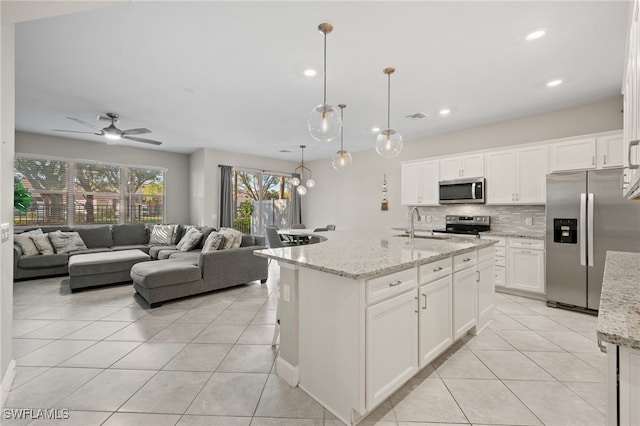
<point x="579" y="154"/>
<point x="610" y="151"/>
<point x="531" y="170"/>
<point x="450" y="168"/>
<point x="473" y="165"/>
<point x="501" y="182"/>
<point x="428" y="173"/>
<point x="410" y="182"/>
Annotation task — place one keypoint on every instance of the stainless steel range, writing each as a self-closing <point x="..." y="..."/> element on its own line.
<point x="465" y="225"/>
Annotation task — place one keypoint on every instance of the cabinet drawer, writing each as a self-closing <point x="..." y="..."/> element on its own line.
<point x="464" y="261"/>
<point x="500" y="261"/>
<point x="500" y="251"/>
<point x="485" y="254"/>
<point x="434" y="270"/>
<point x="526" y="243"/>
<point x="500" y="275"/>
<point x="387" y="286"/>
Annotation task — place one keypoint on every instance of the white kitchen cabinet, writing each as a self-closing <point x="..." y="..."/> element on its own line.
<point x="462" y="167"/>
<point x="623" y="385"/>
<point x="517" y="176"/>
<point x="525" y="265"/>
<point x="486" y="291"/>
<point x="464" y="301"/>
<point x="435" y="323"/>
<point x="631" y="107"/>
<point x="420" y="183"/>
<point x="577" y="154"/>
<point x="610" y="150"/>
<point x="392" y="346"/>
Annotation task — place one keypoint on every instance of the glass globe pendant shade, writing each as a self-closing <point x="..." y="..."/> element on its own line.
<point x="311" y="183"/>
<point x="295" y="181"/>
<point x="324" y="123"/>
<point x="341" y="160"/>
<point x="301" y="190"/>
<point x="389" y="143"/>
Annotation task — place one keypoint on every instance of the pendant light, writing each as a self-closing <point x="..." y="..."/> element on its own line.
<point x="389" y="142"/>
<point x="341" y="159"/>
<point x="295" y="181"/>
<point x="324" y="122"/>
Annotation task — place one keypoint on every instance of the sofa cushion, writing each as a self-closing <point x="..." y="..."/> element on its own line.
<point x="164" y="254"/>
<point x="214" y="242"/>
<point x="65" y="242"/>
<point x="93" y="250"/>
<point x="42" y="243"/>
<point x="164" y="272"/>
<point x="26" y="243"/>
<point x="163" y="234"/>
<point x="47" y="229"/>
<point x="206" y="230"/>
<point x="48" y="261"/>
<point x="104" y="263"/>
<point x="192" y="256"/>
<point x="247" y="241"/>
<point x="180" y="231"/>
<point x="129" y="234"/>
<point x="142" y="247"/>
<point x="154" y="250"/>
<point x="97" y="237"/>
<point x="191" y="238"/>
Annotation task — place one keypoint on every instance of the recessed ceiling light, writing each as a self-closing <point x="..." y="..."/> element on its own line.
<point x="535" y="35"/>
<point x="310" y="72"/>
<point x="445" y="111"/>
<point x="554" y="83"/>
<point x="375" y="129"/>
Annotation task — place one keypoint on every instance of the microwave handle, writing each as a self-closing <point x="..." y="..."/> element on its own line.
<point x="473" y="191"/>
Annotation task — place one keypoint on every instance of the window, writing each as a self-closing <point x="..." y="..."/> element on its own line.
<point x="261" y="199"/>
<point x="87" y="193"/>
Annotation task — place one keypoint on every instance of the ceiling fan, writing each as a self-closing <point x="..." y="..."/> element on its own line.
<point x="111" y="132"/>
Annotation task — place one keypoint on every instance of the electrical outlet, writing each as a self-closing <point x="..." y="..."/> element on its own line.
<point x="528" y="221"/>
<point x="429" y="218"/>
<point x="4" y="232"/>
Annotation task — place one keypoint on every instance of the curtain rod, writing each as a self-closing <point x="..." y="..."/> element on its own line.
<point x="246" y="169"/>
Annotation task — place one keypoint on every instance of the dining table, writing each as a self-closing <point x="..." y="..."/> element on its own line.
<point x="297" y="235"/>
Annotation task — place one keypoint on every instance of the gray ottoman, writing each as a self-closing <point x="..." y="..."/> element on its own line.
<point x="94" y="269"/>
<point x="163" y="280"/>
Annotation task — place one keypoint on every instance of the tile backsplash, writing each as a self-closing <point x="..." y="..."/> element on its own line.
<point x="508" y="219"/>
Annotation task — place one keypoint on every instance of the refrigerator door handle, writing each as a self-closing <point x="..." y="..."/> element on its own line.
<point x="590" y="200"/>
<point x="582" y="226"/>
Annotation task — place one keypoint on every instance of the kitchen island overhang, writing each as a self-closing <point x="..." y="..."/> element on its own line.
<point x="363" y="312"/>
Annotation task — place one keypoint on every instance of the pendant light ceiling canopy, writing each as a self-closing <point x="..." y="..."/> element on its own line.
<point x="341" y="159"/>
<point x="298" y="182"/>
<point x="324" y="121"/>
<point x="389" y="141"/>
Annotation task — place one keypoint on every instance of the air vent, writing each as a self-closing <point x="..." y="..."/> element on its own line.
<point x="416" y="116"/>
<point x="284" y="150"/>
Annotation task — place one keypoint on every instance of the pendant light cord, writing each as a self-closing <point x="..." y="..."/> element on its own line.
<point x="342" y="130"/>
<point x="388" y="101"/>
<point x="324" y="71"/>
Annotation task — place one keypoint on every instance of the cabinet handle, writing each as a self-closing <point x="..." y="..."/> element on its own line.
<point x="593" y="160"/>
<point x="439" y="268"/>
<point x="604" y="159"/>
<point x="525" y="251"/>
<point x="393" y="284"/>
<point x="478" y="276"/>
<point x="631" y="144"/>
<point x="424" y="298"/>
<point x="466" y="260"/>
<point x="517" y="196"/>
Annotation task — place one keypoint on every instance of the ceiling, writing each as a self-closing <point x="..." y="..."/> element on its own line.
<point x="229" y="75"/>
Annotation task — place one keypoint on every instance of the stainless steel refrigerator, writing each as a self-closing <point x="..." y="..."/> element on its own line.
<point x="586" y="216"/>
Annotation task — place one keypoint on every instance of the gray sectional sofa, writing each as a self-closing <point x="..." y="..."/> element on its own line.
<point x="171" y="273"/>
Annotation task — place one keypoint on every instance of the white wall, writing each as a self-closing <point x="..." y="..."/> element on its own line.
<point x="177" y="187"/>
<point x="205" y="179"/>
<point x="350" y="199"/>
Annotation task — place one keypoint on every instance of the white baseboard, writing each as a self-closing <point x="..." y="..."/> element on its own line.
<point x="288" y="372"/>
<point x="7" y="382"/>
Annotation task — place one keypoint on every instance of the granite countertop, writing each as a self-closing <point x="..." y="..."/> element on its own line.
<point x="362" y="254"/>
<point x="619" y="314"/>
<point x="513" y="235"/>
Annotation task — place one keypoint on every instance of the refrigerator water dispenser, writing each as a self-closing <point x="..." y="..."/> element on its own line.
<point x="565" y="231"/>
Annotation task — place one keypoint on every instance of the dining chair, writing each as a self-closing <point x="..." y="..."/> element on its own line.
<point x="331" y="227"/>
<point x="273" y="238"/>
<point x="298" y="226"/>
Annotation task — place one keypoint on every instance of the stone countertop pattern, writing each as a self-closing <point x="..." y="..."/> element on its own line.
<point x="362" y="254"/>
<point x="513" y="235"/>
<point x="619" y="314"/>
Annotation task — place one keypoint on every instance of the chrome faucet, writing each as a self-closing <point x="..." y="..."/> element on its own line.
<point x="412" y="232"/>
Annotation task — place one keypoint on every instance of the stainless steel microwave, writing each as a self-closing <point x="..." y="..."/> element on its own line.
<point x="462" y="191"/>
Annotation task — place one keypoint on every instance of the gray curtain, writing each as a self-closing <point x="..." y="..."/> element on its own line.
<point x="226" y="196"/>
<point x="295" y="211"/>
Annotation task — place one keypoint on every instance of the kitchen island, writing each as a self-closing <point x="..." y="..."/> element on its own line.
<point x="619" y="335"/>
<point x="363" y="312"/>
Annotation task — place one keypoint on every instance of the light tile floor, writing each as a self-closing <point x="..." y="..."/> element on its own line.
<point x="207" y="360"/>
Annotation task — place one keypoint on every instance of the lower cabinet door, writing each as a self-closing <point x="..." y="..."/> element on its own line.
<point x="526" y="270"/>
<point x="436" y="316"/>
<point x="486" y="290"/>
<point x="464" y="301"/>
<point x="392" y="346"/>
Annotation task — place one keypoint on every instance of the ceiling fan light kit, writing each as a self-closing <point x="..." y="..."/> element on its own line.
<point x="111" y="132"/>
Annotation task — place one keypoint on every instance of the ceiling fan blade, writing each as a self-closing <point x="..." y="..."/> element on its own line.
<point x="142" y="140"/>
<point x="136" y="131"/>
<point x="84" y="123"/>
<point x="76" y="131"/>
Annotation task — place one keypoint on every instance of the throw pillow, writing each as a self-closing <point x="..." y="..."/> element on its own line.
<point x="214" y="242"/>
<point x="190" y="239"/>
<point x="232" y="237"/>
<point x="163" y="234"/>
<point x="26" y="243"/>
<point x="65" y="242"/>
<point x="43" y="244"/>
